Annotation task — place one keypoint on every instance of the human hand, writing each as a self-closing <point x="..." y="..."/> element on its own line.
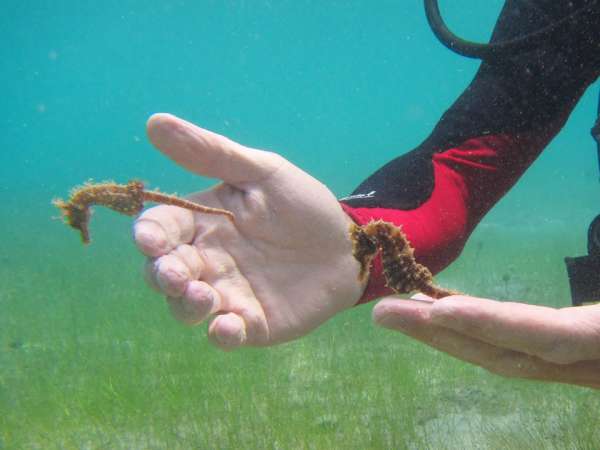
<point x="280" y="269"/>
<point x="509" y="339"/>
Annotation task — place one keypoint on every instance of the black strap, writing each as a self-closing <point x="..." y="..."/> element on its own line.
<point x="499" y="50"/>
<point x="596" y="132"/>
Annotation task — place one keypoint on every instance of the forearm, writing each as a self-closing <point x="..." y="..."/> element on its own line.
<point x="483" y="143"/>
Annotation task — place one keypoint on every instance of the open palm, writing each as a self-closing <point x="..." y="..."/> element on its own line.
<point x="280" y="269"/>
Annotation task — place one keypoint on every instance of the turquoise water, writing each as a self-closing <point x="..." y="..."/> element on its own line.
<point x="339" y="88"/>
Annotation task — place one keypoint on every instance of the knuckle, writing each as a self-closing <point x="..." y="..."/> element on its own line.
<point x="190" y="258"/>
<point x="171" y="275"/>
<point x="174" y="274"/>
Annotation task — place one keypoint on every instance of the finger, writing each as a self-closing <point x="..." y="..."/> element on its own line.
<point x="548" y="333"/>
<point x="188" y="255"/>
<point x="172" y="275"/>
<point x="199" y="300"/>
<point x="241" y="319"/>
<point x="160" y="229"/>
<point x="227" y="331"/>
<point x="414" y="319"/>
<point x="207" y="153"/>
<point x="169" y="273"/>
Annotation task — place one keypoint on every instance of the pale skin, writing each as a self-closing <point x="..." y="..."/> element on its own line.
<point x="507" y="338"/>
<point x="284" y="266"/>
<point x="280" y="269"/>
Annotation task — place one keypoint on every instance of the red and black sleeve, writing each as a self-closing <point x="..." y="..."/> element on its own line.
<point x="509" y="113"/>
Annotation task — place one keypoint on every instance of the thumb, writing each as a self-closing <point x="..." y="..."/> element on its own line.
<point x="209" y="154"/>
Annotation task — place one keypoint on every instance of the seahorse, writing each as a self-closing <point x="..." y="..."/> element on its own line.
<point x="124" y="198"/>
<point x="402" y="272"/>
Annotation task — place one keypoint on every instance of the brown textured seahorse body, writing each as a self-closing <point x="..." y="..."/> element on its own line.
<point x="402" y="273"/>
<point x="126" y="199"/>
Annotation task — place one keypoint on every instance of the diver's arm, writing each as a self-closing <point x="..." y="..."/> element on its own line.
<point x="484" y="142"/>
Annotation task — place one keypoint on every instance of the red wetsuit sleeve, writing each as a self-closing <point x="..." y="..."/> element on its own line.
<point x="469" y="179"/>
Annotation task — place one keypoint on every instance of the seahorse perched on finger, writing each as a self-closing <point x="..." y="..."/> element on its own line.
<point x="402" y="272"/>
<point x="124" y="198"/>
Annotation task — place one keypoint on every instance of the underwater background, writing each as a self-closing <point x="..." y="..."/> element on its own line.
<point x="90" y="357"/>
